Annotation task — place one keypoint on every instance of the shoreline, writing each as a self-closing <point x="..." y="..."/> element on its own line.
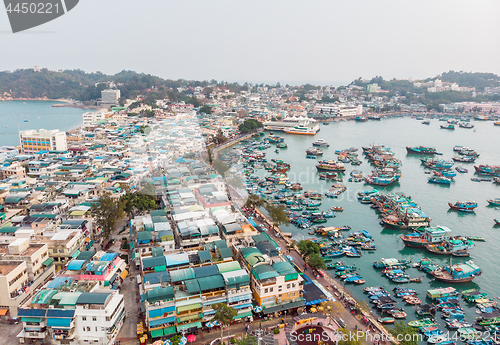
<point x="66" y="103"/>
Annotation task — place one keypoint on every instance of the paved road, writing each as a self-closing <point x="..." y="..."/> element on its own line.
<point x="8" y="333"/>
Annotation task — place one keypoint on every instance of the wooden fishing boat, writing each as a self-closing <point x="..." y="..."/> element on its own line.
<point x="337" y="208"/>
<point x="386" y="320"/>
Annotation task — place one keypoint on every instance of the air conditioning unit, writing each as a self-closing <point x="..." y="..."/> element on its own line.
<point x="157" y="303"/>
<point x="85" y="306"/>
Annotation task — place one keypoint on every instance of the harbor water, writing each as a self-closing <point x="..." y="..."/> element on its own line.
<point x="397" y="133"/>
<point x="24" y="115"/>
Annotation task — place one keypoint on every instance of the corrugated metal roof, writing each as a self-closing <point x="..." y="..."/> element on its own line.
<point x="206" y="271"/>
<point x="182" y="275"/>
<point x="93" y="298"/>
<point x="211" y="282"/>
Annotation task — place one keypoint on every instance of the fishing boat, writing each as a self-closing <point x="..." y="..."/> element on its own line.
<point x="448" y="126"/>
<point x="429" y="236"/>
<point x="314" y="151"/>
<point x="361" y="119"/>
<point x="497" y="221"/>
<point x="465" y="125"/>
<point x="426" y="122"/>
<point x="321" y="143"/>
<point x="494" y="202"/>
<point x="282" y="145"/>
<point x="330" y="165"/>
<point x="337" y="208"/>
<point x="461" y="170"/>
<point x="423" y="150"/>
<point x="327" y="176"/>
<point x="488" y="170"/>
<point x="464" y="159"/>
<point x="440" y="180"/>
<point x="422" y="323"/>
<point x="458" y="273"/>
<point x="468" y="333"/>
<point x="386" y="320"/>
<point x="464" y="206"/>
<point x="296" y="186"/>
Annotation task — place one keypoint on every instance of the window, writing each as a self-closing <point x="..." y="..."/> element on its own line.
<point x="96" y="329"/>
<point x="293" y="285"/>
<point x="88" y="329"/>
<point x="288" y="295"/>
<point x="108" y="318"/>
<point x="288" y="286"/>
<point x="94" y="318"/>
<point x="266" y="290"/>
<point x="271" y="289"/>
<point x="84" y="318"/>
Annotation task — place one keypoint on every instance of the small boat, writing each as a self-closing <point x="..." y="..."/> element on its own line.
<point x="321" y="142"/>
<point x="476" y="238"/>
<point x="25" y="120"/>
<point x="426" y="122"/>
<point x="494" y="202"/>
<point x="422" y="323"/>
<point x="416" y="280"/>
<point x="386" y="320"/>
<point x="497" y="221"/>
<point x="336" y="208"/>
<point x="282" y="145"/>
<point x="359" y="281"/>
<point x="461" y="170"/>
<point x="465" y="125"/>
<point x="449" y="126"/>
<point x="464" y="206"/>
<point x="439" y="180"/>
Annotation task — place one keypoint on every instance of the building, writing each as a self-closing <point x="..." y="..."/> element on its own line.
<point x="24" y="267"/>
<point x="33" y="141"/>
<point x="73" y="313"/>
<point x="373" y="87"/>
<point x="110" y="96"/>
<point x="94" y="116"/>
<point x="15" y="170"/>
<point x="338" y="110"/>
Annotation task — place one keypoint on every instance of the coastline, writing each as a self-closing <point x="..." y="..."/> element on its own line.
<point x="66" y="103"/>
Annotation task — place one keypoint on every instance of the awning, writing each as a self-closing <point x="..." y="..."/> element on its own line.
<point x="189" y="307"/>
<point x="284" y="306"/>
<point x="59" y="322"/>
<point x="124" y="274"/>
<point x="169" y="330"/>
<point x="75" y="254"/>
<point x="156" y="333"/>
<point x="242" y="315"/>
<point x="48" y="262"/>
<point x="3" y="312"/>
<point x="188" y="326"/>
<point x="189" y="317"/>
<point x="31" y="319"/>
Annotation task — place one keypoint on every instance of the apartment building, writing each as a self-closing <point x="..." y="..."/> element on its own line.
<point x="33" y="141"/>
<point x="24" y="267"/>
<point x="15" y="170"/>
<point x="110" y="96"/>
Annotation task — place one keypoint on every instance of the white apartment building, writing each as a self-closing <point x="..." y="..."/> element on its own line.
<point x="110" y="96"/>
<point x="338" y="110"/>
<point x="33" y="141"/>
<point x="98" y="317"/>
<point x="94" y="116"/>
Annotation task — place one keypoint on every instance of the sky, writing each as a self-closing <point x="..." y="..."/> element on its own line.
<point x="329" y="42"/>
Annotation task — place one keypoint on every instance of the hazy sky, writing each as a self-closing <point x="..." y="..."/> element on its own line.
<point x="291" y="41"/>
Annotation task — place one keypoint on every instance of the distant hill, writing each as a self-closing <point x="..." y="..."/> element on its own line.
<point x="469" y="79"/>
<point x="82" y="86"/>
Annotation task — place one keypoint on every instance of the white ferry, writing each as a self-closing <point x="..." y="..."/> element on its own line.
<point x="294" y="125"/>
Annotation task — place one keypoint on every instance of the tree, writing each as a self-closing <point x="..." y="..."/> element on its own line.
<point x="316" y="261"/>
<point x="254" y="201"/>
<point x="277" y="215"/>
<point x="250" y="126"/>
<point x="224" y="315"/>
<point x="244" y="340"/>
<point x="206" y="109"/>
<point x="220" y="167"/>
<point x="308" y="247"/>
<point x="407" y="334"/>
<point x="107" y="212"/>
<point x="333" y="308"/>
<point x="220" y="138"/>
